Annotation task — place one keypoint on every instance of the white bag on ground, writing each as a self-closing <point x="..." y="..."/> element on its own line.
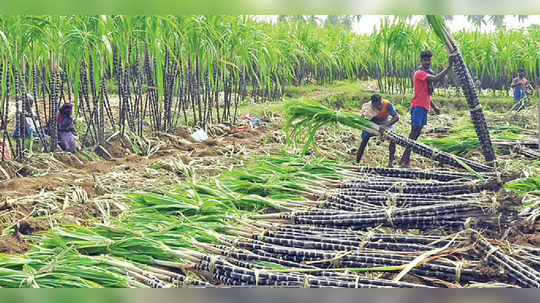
<point x="200" y="135"/>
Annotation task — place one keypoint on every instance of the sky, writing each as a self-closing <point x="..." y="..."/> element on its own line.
<point x="369" y="22"/>
<point x="366" y="25"/>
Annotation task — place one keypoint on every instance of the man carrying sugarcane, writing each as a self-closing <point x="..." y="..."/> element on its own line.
<point x="379" y="111"/>
<point x="422" y="102"/>
<point x="521" y="86"/>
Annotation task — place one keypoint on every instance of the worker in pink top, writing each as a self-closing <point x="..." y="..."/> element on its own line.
<point x="421" y="102"/>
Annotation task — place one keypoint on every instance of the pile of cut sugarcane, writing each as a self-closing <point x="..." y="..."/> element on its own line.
<point x="336" y="226"/>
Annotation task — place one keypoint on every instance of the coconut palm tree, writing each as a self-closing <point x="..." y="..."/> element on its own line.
<point x="522" y="18"/>
<point x="346" y="21"/>
<point x="313" y="20"/>
<point x="497" y="20"/>
<point x="477" y="20"/>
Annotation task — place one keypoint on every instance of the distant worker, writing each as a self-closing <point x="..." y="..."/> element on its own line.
<point x="378" y="110"/>
<point x="422" y="102"/>
<point x="65" y="128"/>
<point x="521" y="86"/>
<point x="31" y="119"/>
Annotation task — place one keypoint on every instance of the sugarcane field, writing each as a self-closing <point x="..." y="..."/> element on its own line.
<point x="229" y="151"/>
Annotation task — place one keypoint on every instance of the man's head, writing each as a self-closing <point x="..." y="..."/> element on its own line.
<point x="376" y="101"/>
<point x="521" y="72"/>
<point x="425" y="58"/>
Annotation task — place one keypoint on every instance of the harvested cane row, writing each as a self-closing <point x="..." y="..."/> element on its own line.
<point x="411" y="173"/>
<point x="207" y="235"/>
<point x="434" y="154"/>
<point x="322" y="241"/>
<point x="529" y="153"/>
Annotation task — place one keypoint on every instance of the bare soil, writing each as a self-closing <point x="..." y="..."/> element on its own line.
<point x="69" y="159"/>
<point x="13" y="244"/>
<point x="108" y="150"/>
<point x="107" y="175"/>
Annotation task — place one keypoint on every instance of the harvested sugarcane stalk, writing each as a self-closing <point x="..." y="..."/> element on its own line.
<point x="469" y="89"/>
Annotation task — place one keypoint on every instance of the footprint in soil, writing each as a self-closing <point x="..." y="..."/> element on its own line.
<point x="31" y="226"/>
<point x="26" y="171"/>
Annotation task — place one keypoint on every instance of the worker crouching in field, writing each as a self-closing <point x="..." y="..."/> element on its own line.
<point x="379" y="111"/>
<point x="66" y="127"/>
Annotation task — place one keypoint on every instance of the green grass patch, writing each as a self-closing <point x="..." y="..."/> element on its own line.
<point x="351" y="95"/>
<point x="524" y="186"/>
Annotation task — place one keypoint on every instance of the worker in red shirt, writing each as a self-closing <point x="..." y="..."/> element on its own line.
<point x="421" y="102"/>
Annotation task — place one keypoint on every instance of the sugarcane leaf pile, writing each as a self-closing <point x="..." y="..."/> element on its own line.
<point x="314" y="116"/>
<point x="462" y="139"/>
<point x="523" y="186"/>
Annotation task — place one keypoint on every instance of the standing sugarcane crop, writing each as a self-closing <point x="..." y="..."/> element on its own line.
<point x="422" y="102"/>
<point x="469" y="89"/>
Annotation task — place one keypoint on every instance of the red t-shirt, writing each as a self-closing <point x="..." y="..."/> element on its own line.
<point x="421" y="91"/>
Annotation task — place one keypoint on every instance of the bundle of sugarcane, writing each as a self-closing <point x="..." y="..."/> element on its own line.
<point x="522" y="273"/>
<point x="417" y="186"/>
<point x="451" y="216"/>
<point x="412" y="173"/>
<point x="529" y="255"/>
<point x="314" y="116"/>
<point x="527" y="152"/>
<point x="303" y="248"/>
<point x="120" y="241"/>
<point x="469" y="89"/>
<point x="277" y="179"/>
<point x="340" y="239"/>
<point x="360" y="200"/>
<point x="244" y="267"/>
